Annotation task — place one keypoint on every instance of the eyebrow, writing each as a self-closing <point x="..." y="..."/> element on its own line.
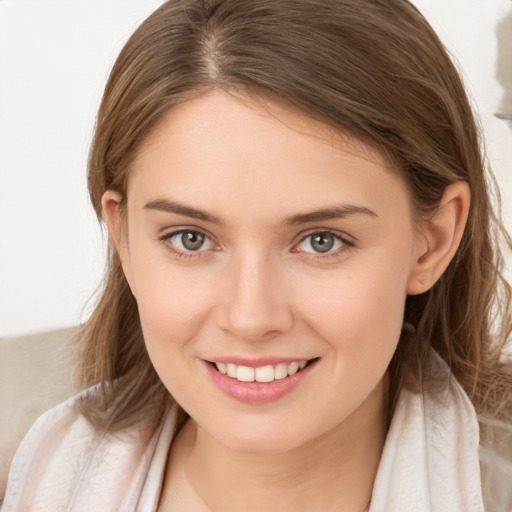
<point x="335" y="212"/>
<point x="180" y="209"/>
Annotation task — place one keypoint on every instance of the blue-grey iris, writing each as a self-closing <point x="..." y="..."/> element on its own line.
<point x="192" y="240"/>
<point x="322" y="242"/>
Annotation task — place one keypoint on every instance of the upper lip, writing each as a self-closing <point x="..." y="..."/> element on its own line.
<point x="258" y="362"/>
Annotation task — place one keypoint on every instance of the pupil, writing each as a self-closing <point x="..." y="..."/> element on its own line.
<point x="322" y="242"/>
<point x="192" y="240"/>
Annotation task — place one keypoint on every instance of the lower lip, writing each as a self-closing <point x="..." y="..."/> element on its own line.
<point x="258" y="392"/>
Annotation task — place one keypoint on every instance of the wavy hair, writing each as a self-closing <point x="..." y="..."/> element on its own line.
<point x="374" y="69"/>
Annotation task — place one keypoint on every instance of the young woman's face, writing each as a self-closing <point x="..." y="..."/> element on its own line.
<point x="258" y="239"/>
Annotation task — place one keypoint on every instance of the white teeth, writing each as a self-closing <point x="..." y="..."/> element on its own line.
<point x="231" y="370"/>
<point x="281" y="371"/>
<point x="293" y="368"/>
<point x="262" y="373"/>
<point x="245" y="374"/>
<point x="221" y="367"/>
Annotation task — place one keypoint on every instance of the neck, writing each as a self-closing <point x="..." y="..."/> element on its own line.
<point x="333" y="471"/>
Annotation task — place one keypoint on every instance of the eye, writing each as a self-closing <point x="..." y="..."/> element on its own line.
<point x="322" y="242"/>
<point x="189" y="240"/>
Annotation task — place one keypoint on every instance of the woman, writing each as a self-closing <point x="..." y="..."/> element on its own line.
<point x="303" y="308"/>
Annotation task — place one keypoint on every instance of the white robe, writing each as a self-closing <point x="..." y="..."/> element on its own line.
<point x="430" y="461"/>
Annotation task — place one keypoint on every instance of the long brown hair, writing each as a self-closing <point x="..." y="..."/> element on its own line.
<point x="372" y="68"/>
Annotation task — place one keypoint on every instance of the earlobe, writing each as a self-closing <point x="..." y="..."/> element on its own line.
<point x="440" y="238"/>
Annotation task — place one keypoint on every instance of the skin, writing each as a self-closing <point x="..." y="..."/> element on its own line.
<point x="258" y="288"/>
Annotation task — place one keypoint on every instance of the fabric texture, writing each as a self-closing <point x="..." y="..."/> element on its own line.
<point x="430" y="462"/>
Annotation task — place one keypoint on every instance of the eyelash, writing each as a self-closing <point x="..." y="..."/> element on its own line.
<point x="346" y="244"/>
<point x="166" y="240"/>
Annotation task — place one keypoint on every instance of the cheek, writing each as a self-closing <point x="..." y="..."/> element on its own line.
<point x="173" y="302"/>
<point x="359" y="310"/>
<point x="173" y="308"/>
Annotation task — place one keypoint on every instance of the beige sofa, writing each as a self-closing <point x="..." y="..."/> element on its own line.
<point x="35" y="374"/>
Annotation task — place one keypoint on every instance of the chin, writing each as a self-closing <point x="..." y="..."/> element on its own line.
<point x="263" y="437"/>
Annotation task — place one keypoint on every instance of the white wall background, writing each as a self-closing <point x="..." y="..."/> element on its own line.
<point x="55" y="56"/>
<point x="54" y="60"/>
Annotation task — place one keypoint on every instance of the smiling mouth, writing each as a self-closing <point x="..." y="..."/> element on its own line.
<point x="263" y="374"/>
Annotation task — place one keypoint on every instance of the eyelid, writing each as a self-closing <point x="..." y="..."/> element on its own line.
<point x="330" y="231"/>
<point x="347" y="242"/>
<point x="166" y="237"/>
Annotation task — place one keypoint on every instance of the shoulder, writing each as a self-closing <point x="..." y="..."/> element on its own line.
<point x="65" y="463"/>
<point x="434" y="420"/>
<point x="40" y="456"/>
<point x="496" y="463"/>
<point x="463" y="461"/>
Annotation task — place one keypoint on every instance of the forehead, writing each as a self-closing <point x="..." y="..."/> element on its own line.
<point x="204" y="116"/>
<point x="217" y="149"/>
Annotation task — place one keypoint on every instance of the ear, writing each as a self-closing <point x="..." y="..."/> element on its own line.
<point x="439" y="238"/>
<point x="111" y="203"/>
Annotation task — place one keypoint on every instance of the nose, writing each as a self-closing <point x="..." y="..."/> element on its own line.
<point x="254" y="303"/>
